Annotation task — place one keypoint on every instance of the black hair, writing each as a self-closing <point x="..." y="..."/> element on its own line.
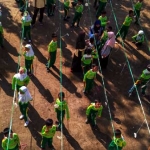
<point x="91" y="40"/>
<point x="130" y="12"/>
<point x="103" y="12"/>
<point x="110" y="28"/>
<point x="94" y="65"/>
<point x="117" y="132"/>
<point x="61" y="94"/>
<point x="88" y="51"/>
<point x="6" y="131"/>
<point x="54" y="35"/>
<point x="148" y="67"/>
<point x="49" y="122"/>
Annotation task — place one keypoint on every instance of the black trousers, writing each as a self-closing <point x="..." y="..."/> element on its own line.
<point x="36" y="10"/>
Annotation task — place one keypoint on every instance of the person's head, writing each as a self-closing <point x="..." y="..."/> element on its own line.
<point x="97" y="23"/>
<point x="88" y="51"/>
<point x="54" y="37"/>
<point x="92" y="40"/>
<point x="110" y="34"/>
<point x="61" y="95"/>
<point x="148" y="67"/>
<point x="49" y="123"/>
<point x="140" y="1"/>
<point x="80" y="2"/>
<point x="117" y="133"/>
<point x="27" y="47"/>
<point x="103" y="13"/>
<point x="97" y="104"/>
<point x="6" y="132"/>
<point x="109" y="28"/>
<point x="140" y="33"/>
<point x="22" y="70"/>
<point x="131" y="13"/>
<point x="94" y="68"/>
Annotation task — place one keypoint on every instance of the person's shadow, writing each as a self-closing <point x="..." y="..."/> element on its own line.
<point x="45" y="92"/>
<point x="71" y="140"/>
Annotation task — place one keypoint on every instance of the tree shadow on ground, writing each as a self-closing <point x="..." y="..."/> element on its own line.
<point x="71" y="140"/>
<point x="44" y="92"/>
<point x="35" y="125"/>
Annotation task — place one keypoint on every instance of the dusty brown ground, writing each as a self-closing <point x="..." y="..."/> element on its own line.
<point x="44" y="87"/>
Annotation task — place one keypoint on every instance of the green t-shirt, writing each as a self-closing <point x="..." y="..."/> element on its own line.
<point x="138" y="6"/>
<point x="62" y="106"/>
<point x="86" y="59"/>
<point x="13" y="142"/>
<point x="66" y="3"/>
<point x="52" y="47"/>
<point x="28" y="57"/>
<point x="103" y="20"/>
<point x="79" y="8"/>
<point x="50" y="133"/>
<point x="127" y="21"/>
<point x="136" y="39"/>
<point x="89" y="75"/>
<point x="94" y="54"/>
<point x="92" y="107"/>
<point x="117" y="144"/>
<point x="145" y="75"/>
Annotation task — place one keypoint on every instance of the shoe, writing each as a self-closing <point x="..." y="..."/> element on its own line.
<point x="29" y="41"/>
<point x="48" y="70"/>
<point x="78" y="26"/>
<point x="87" y="122"/>
<point x="26" y="123"/>
<point x="143" y="94"/>
<point x="130" y="93"/>
<point x="21" y="117"/>
<point x="72" y="26"/>
<point x="24" y="39"/>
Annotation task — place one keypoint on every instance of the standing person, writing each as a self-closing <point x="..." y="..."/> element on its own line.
<point x="92" y="111"/>
<point x="118" y="142"/>
<point x="20" y="79"/>
<point x="24" y="97"/>
<point x="78" y="13"/>
<point x="80" y="46"/>
<point x="142" y="81"/>
<point x="26" y="26"/>
<point x="14" y="142"/>
<point x="1" y="35"/>
<point x="101" y="7"/>
<point x="105" y="52"/>
<point x="61" y="107"/>
<point x="51" y="4"/>
<point x="48" y="132"/>
<point x="138" y="39"/>
<point x="39" y="5"/>
<point x="66" y="9"/>
<point x="88" y="79"/>
<point x="86" y="60"/>
<point x="125" y="27"/>
<point x="137" y="10"/>
<point x="52" y="50"/>
<point x="29" y="56"/>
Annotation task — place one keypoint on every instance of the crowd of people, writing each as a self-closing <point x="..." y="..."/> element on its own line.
<point x="89" y="54"/>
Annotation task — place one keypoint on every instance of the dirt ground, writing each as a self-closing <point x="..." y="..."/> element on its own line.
<point x="126" y="112"/>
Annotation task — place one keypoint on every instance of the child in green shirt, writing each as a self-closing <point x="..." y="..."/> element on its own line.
<point x="29" y="56"/>
<point x="138" y="39"/>
<point x="12" y="142"/>
<point x="142" y="81"/>
<point x="52" y="50"/>
<point x="118" y="142"/>
<point x="1" y="35"/>
<point x="101" y="7"/>
<point x="66" y="9"/>
<point x="125" y="27"/>
<point x="78" y="13"/>
<point x="48" y="132"/>
<point x="103" y="18"/>
<point x="61" y="107"/>
<point x="51" y="4"/>
<point x="92" y="111"/>
<point x="88" y="79"/>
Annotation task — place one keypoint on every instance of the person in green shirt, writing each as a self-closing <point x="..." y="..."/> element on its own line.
<point x="78" y="13"/>
<point x="141" y="81"/>
<point x="118" y="142"/>
<point x="103" y="18"/>
<point x="61" y="107"/>
<point x="92" y="111"/>
<point x="101" y="7"/>
<point x="12" y="142"/>
<point x="1" y="35"/>
<point x="26" y="26"/>
<point x="20" y="79"/>
<point x="138" y="39"/>
<point x="86" y="60"/>
<point x="66" y="9"/>
<point x="52" y="50"/>
<point x="51" y="4"/>
<point x="125" y="27"/>
<point x="48" y="132"/>
<point x="29" y="56"/>
<point x="137" y="9"/>
<point x="88" y="79"/>
<point x="24" y="97"/>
